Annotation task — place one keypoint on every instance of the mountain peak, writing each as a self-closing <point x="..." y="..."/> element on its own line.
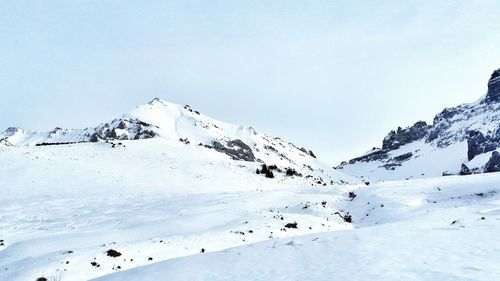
<point x="157" y="101"/>
<point x="494" y="87"/>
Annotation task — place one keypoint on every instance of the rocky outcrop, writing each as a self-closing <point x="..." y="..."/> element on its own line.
<point x="477" y="124"/>
<point x="236" y="149"/>
<point x="403" y="157"/>
<point x="123" y="129"/>
<point x="464" y="170"/>
<point x="5" y="142"/>
<point x="310" y="153"/>
<point x="374" y="155"/>
<point x="477" y="143"/>
<point x="493" y="164"/>
<point x="494" y="87"/>
<point x="396" y="139"/>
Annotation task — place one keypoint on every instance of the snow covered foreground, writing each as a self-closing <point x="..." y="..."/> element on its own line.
<point x="174" y="212"/>
<point x="433" y="229"/>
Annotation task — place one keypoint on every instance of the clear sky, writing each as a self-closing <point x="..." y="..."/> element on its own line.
<point x="334" y="76"/>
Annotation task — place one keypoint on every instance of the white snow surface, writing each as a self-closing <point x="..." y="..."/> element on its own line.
<point x="62" y="207"/>
<point x="431" y="229"/>
<point x="171" y="209"/>
<point x="183" y="212"/>
<point x="427" y="161"/>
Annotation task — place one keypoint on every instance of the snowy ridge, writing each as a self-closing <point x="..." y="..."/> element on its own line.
<point x="461" y="140"/>
<point x="174" y="122"/>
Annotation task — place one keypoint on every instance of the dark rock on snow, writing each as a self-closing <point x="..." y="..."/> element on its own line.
<point x="493" y="164"/>
<point x="237" y="149"/>
<point x="494" y="87"/>
<point x="477" y="144"/>
<point x="464" y="171"/>
<point x="403" y="157"/>
<point x="396" y="139"/>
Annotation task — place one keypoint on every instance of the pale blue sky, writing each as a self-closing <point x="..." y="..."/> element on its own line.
<point x="334" y="76"/>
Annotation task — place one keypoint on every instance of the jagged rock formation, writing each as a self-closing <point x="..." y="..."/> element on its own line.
<point x="475" y="126"/>
<point x="123" y="129"/>
<point x="236" y="149"/>
<point x="479" y="144"/>
<point x="395" y="139"/>
<point x="464" y="170"/>
<point x="494" y="87"/>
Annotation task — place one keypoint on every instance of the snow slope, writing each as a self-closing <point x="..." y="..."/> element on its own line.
<point x="430" y="229"/>
<point x="460" y="140"/>
<point x="173" y="122"/>
<point x="169" y="208"/>
<point x="63" y="206"/>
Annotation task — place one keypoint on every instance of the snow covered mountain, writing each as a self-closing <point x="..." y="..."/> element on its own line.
<point x="166" y="193"/>
<point x="160" y="182"/>
<point x="176" y="123"/>
<point x="462" y="140"/>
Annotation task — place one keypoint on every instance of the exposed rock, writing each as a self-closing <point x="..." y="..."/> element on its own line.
<point x="493" y="164"/>
<point x="390" y="166"/>
<point x="145" y="134"/>
<point x="95" y="137"/>
<point x="5" y="142"/>
<point x="129" y="129"/>
<point x="465" y="170"/>
<point x="308" y="152"/>
<point x="11" y="131"/>
<point x="494" y="87"/>
<point x="403" y="157"/>
<point x="122" y="125"/>
<point x="312" y="154"/>
<point x="237" y="149"/>
<point x="375" y="155"/>
<point x="478" y="144"/>
<point x="111" y="135"/>
<point x="477" y="123"/>
<point x="396" y="139"/>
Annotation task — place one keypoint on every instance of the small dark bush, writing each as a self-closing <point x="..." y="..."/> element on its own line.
<point x="348" y="218"/>
<point x="264" y="169"/>
<point x="112" y="253"/>
<point x="291" y="225"/>
<point x="352" y="195"/>
<point x="269" y="174"/>
<point x="292" y="172"/>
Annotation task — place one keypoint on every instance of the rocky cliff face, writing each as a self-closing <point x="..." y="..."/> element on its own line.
<point x="477" y="125"/>
<point x="494" y="87"/>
